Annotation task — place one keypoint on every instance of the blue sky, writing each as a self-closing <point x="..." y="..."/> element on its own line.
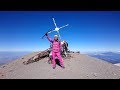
<point x="87" y="30"/>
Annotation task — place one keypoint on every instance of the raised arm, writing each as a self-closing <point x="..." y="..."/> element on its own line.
<point x="49" y="38"/>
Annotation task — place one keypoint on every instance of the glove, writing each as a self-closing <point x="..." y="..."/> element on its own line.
<point x="46" y="34"/>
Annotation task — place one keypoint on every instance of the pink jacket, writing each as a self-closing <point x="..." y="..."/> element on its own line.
<point x="56" y="46"/>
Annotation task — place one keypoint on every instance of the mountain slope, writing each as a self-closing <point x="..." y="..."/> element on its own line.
<point x="80" y="66"/>
<point x="112" y="57"/>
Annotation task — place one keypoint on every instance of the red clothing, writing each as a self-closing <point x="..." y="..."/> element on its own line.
<point x="56" y="50"/>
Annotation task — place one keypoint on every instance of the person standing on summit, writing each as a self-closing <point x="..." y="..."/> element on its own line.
<point x="56" y="50"/>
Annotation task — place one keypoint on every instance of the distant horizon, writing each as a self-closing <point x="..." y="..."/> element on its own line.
<point x="70" y="50"/>
<point x="109" y="56"/>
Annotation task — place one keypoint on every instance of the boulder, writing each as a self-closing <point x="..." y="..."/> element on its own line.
<point x="38" y="57"/>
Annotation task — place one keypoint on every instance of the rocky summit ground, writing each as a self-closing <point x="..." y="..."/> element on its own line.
<point x="79" y="66"/>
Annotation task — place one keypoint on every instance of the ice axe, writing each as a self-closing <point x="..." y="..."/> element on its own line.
<point x="47" y="33"/>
